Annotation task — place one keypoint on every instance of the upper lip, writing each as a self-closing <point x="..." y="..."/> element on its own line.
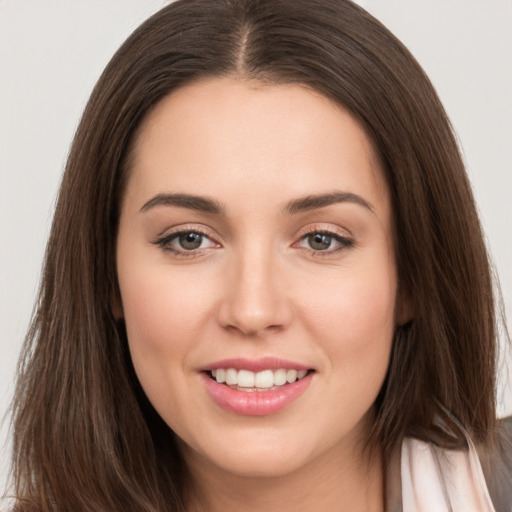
<point x="255" y="365"/>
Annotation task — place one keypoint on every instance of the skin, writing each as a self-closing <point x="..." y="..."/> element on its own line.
<point x="256" y="288"/>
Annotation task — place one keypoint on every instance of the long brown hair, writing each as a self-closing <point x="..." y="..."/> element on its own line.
<point x="85" y="436"/>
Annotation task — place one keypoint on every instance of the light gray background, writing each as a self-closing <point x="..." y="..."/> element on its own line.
<point x="52" y="52"/>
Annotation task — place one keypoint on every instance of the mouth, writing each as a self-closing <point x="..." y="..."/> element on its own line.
<point x="261" y="381"/>
<point x="256" y="387"/>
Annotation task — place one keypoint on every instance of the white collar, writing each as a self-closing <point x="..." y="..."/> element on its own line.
<point x="427" y="478"/>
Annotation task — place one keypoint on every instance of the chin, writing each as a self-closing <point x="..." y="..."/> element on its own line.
<point x="262" y="465"/>
<point x="269" y="456"/>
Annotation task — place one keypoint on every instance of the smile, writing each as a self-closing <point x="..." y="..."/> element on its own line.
<point x="256" y="387"/>
<point x="246" y="380"/>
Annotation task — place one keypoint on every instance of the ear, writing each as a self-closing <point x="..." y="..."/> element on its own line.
<point x="404" y="306"/>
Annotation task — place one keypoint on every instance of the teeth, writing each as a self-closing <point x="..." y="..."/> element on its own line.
<point x="291" y="376"/>
<point x="263" y="380"/>
<point x="280" y="377"/>
<point x="245" y="379"/>
<point x="231" y="377"/>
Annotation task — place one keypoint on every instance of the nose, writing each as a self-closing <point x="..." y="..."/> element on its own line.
<point x="255" y="299"/>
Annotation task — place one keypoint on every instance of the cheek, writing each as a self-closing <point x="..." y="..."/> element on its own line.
<point x="354" y="316"/>
<point x="164" y="312"/>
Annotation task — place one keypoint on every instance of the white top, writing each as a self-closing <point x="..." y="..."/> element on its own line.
<point x="438" y="480"/>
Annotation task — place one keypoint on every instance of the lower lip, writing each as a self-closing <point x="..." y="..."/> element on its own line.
<point x="256" y="403"/>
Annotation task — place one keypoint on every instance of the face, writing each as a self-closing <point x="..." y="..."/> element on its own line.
<point x="256" y="267"/>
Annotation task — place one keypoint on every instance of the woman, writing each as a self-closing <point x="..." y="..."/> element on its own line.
<point x="257" y="290"/>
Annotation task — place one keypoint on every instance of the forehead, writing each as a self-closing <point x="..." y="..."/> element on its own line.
<point x="229" y="137"/>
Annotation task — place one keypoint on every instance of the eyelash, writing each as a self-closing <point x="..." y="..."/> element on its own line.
<point x="344" y="242"/>
<point x="164" y="242"/>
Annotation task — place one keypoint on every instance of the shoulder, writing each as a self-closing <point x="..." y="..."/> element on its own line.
<point x="497" y="467"/>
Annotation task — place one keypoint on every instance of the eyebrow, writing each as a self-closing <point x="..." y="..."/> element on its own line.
<point x="192" y="202"/>
<point x="301" y="204"/>
<point x="313" y="202"/>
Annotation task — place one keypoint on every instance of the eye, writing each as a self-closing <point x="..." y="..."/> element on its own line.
<point x="325" y="241"/>
<point x="190" y="241"/>
<point x="319" y="241"/>
<point x="185" y="242"/>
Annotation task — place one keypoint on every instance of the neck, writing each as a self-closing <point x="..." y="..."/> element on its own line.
<point x="332" y="482"/>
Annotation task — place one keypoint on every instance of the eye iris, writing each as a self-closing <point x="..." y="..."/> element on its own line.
<point x="190" y="241"/>
<point x="319" y="242"/>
